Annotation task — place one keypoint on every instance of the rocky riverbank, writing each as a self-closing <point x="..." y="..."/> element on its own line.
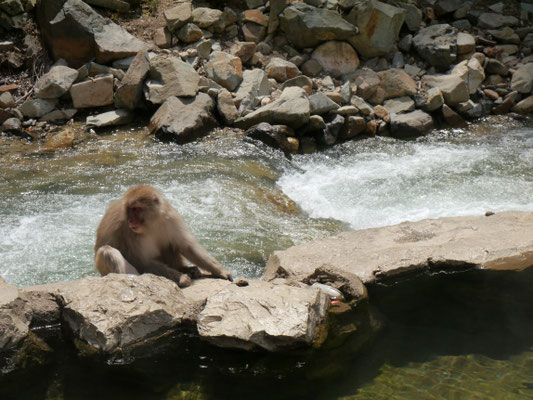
<point x="294" y="75"/>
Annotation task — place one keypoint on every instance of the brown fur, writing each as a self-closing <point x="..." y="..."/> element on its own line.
<point x="157" y="243"/>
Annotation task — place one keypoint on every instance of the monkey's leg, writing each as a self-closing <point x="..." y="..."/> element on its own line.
<point x="159" y="268"/>
<point x="109" y="260"/>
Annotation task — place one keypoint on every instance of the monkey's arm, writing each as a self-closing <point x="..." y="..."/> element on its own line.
<point x="158" y="268"/>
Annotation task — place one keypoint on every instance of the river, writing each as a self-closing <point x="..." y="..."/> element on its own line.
<point x="244" y="200"/>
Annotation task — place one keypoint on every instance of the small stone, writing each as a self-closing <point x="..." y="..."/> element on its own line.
<point x="491" y="94"/>
<point x="6" y="100"/>
<point x="163" y="38"/>
<point x="281" y="70"/>
<point x="190" y="33"/>
<point x="110" y="118"/>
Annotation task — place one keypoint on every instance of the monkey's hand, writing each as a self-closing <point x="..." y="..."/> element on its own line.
<point x="224" y="274"/>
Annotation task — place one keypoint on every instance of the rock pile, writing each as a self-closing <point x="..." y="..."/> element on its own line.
<point x="311" y="74"/>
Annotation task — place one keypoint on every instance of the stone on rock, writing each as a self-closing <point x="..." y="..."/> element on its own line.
<point x="184" y="119"/>
<point x="307" y="26"/>
<point x="169" y="76"/>
<point x="501" y="241"/>
<point x="225" y="69"/>
<point x="495" y="21"/>
<point x="393" y="83"/>
<point x="291" y="109"/>
<point x="466" y="43"/>
<point x="254" y="85"/>
<point x="263" y="315"/>
<point x="37" y="108"/>
<point x="415" y="123"/>
<point x="244" y="50"/>
<point x="437" y="45"/>
<point x="110" y="118"/>
<point x="522" y="80"/>
<point x="452" y="87"/>
<point x="75" y="32"/>
<point x="336" y="58"/>
<point x="190" y="33"/>
<point x="379" y="25"/>
<point x="525" y="106"/>
<point x="399" y="105"/>
<point x="226" y="107"/>
<point x="321" y="104"/>
<point x="471" y="72"/>
<point x="93" y="93"/>
<point x="129" y="92"/>
<point x="435" y="99"/>
<point x="136" y="308"/>
<point x="367" y="82"/>
<point x="55" y="82"/>
<point x="281" y="70"/>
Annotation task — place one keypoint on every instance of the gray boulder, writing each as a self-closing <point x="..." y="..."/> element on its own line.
<point x="453" y="88"/>
<point x="225" y="69"/>
<point x="37" y="108"/>
<point x="437" y="45"/>
<point x="93" y="93"/>
<point x="367" y="82"/>
<point x="263" y="315"/>
<point x="399" y="105"/>
<point x="178" y="16"/>
<point x="471" y="72"/>
<point x="394" y="82"/>
<point x="226" y="107"/>
<point x="254" y="85"/>
<point x="415" y="123"/>
<point x="110" y="118"/>
<point x="336" y="58"/>
<point x="184" y="119"/>
<point x="378" y="26"/>
<point x="291" y="109"/>
<point x="320" y="104"/>
<point x="56" y="82"/>
<point x="522" y="80"/>
<point x="130" y="91"/>
<point x="308" y="26"/>
<point x="169" y="76"/>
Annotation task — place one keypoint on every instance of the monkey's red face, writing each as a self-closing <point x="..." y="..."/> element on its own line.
<point x="135" y="218"/>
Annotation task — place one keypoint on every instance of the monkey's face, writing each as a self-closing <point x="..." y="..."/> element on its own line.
<point x="136" y="217"/>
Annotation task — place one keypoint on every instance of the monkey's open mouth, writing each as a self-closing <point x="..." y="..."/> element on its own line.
<point x="135" y="217"/>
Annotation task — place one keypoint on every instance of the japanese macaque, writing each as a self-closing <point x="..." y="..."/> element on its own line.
<point x="142" y="232"/>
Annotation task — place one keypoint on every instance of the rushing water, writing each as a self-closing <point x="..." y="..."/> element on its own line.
<point x="243" y="201"/>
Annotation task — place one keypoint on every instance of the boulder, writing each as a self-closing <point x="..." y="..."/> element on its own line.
<point x="225" y="69"/>
<point x="494" y="66"/>
<point x="244" y="50"/>
<point x="291" y="108"/>
<point x="130" y="91"/>
<point x="472" y="72"/>
<point x="452" y="87"/>
<point x="393" y="83"/>
<point x="505" y="35"/>
<point x="75" y="32"/>
<point x="254" y="85"/>
<point x="353" y="126"/>
<point x="56" y="82"/>
<point x="13" y="126"/>
<point x="522" y="80"/>
<point x="59" y="115"/>
<point x="336" y="58"/>
<point x="466" y="43"/>
<point x="190" y="33"/>
<point x="281" y="70"/>
<point x="443" y="7"/>
<point x="169" y="76"/>
<point x="178" y="16"/>
<point x="226" y="107"/>
<point x="495" y="21"/>
<point x="263" y="315"/>
<point x="451" y="118"/>
<point x="399" y="105"/>
<point x="415" y="123"/>
<point x="253" y="32"/>
<point x="36" y="108"/>
<point x="378" y="27"/>
<point x="205" y="17"/>
<point x="110" y="118"/>
<point x="499" y="241"/>
<point x="367" y="82"/>
<point x="525" y="106"/>
<point x="302" y="81"/>
<point x="184" y="119"/>
<point x="437" y="45"/>
<point x="434" y="99"/>
<point x="320" y="104"/>
<point x="275" y="136"/>
<point x="93" y="93"/>
<point x="136" y="309"/>
<point x="413" y="16"/>
<point x="307" y="26"/>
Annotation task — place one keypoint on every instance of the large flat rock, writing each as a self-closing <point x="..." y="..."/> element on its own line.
<point x="500" y="241"/>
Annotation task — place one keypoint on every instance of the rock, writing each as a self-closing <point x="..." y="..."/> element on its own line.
<point x="93" y="93"/>
<point x="12" y="7"/>
<point x="525" y="106"/>
<point x="263" y="315"/>
<point x="253" y="32"/>
<point x="379" y="26"/>
<point x="37" y="108"/>
<point x="435" y="100"/>
<point x="495" y="21"/>
<point x="466" y="43"/>
<point x="399" y="105"/>
<point x="471" y="72"/>
<point x="55" y="82"/>
<point x="117" y="5"/>
<point x="110" y="118"/>
<point x="244" y="50"/>
<point x="183" y="119"/>
<point x="353" y="126"/>
<point x="6" y="100"/>
<point x="129" y="92"/>
<point x="363" y="107"/>
<point x="226" y="107"/>
<point x="281" y="70"/>
<point x="271" y="135"/>
<point x="137" y="309"/>
<point x="415" y="123"/>
<point x="61" y="140"/>
<point x="443" y="7"/>
<point x="336" y="58"/>
<point x="59" y="115"/>
<point x="307" y="26"/>
<point x="254" y="85"/>
<point x="494" y="66"/>
<point x="501" y="241"/>
<point x="452" y="87"/>
<point x="301" y="81"/>
<point x="393" y="83"/>
<point x="505" y="35"/>
<point x="367" y="82"/>
<point x="12" y="125"/>
<point x="255" y="16"/>
<point x="522" y="80"/>
<point x="451" y="118"/>
<point x="169" y="76"/>
<point x="291" y="109"/>
<point x="413" y="16"/>
<point x="205" y="17"/>
<point x="321" y="104"/>
<point x="190" y="33"/>
<point x="75" y="32"/>
<point x="405" y="43"/>
<point x="163" y="38"/>
<point x="437" y="45"/>
<point x="351" y="287"/>
<point x="311" y="68"/>
<point x="178" y="16"/>
<point x="225" y="69"/>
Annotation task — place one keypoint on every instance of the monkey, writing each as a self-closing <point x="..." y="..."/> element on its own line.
<point x="143" y="233"/>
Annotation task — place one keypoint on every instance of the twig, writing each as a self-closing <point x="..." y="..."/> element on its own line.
<point x="21" y="99"/>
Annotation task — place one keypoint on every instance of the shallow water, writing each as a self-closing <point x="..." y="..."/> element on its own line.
<point x="464" y="336"/>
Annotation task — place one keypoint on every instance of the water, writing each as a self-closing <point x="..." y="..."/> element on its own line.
<point x="464" y="336"/>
